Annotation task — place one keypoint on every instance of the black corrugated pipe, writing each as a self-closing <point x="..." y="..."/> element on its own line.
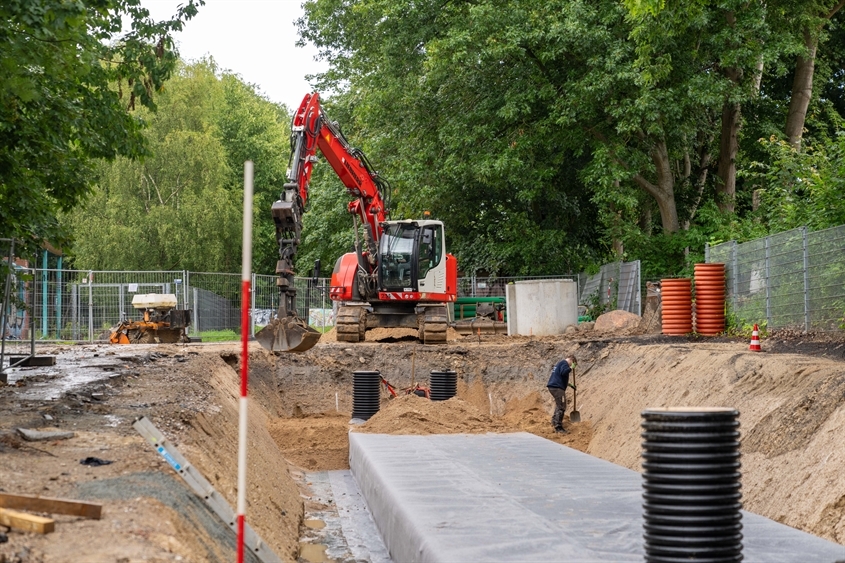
<point x="443" y="385"/>
<point x="366" y="393"/>
<point x="691" y="483"/>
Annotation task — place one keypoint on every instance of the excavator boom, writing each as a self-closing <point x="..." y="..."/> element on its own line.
<point x="310" y="130"/>
<point x="399" y="275"/>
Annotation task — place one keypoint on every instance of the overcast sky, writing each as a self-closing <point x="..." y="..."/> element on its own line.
<point x="253" y="38"/>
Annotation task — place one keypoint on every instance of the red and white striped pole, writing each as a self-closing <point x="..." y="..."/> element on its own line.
<point x="246" y="278"/>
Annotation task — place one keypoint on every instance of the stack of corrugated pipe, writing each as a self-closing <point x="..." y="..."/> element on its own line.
<point x="710" y="299"/>
<point x="676" y="303"/>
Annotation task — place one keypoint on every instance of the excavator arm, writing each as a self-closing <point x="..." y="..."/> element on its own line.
<point x="311" y="129"/>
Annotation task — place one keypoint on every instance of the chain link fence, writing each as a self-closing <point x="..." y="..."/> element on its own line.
<point x="792" y="279"/>
<point x="616" y="285"/>
<point x="82" y="306"/>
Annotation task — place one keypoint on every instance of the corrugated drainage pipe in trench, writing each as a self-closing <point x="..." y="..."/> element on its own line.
<point x="691" y="485"/>
<point x="443" y="385"/>
<point x="366" y="393"/>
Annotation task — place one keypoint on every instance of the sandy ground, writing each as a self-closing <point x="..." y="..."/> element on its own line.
<point x="790" y="397"/>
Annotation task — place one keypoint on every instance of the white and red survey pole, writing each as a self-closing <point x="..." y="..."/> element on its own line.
<point x="246" y="280"/>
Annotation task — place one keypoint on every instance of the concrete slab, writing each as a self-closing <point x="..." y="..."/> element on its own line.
<point x="519" y="497"/>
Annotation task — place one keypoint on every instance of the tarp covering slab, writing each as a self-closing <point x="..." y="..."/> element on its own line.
<point x="519" y="497"/>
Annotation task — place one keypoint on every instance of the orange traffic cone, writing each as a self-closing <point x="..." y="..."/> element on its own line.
<point x="755" y="340"/>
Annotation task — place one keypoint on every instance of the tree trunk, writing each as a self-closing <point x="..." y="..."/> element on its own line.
<point x="726" y="185"/>
<point x="802" y="90"/>
<point x="664" y="190"/>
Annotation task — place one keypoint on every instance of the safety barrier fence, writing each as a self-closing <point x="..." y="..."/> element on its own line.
<point x="82" y="305"/>
<point x="792" y="279"/>
<point x="616" y="285"/>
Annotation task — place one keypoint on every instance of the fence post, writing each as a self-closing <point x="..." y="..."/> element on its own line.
<point x="806" y="280"/>
<point x="196" y="315"/>
<point x="252" y="307"/>
<point x="74" y="311"/>
<point x="90" y="306"/>
<point x="44" y="295"/>
<point x="768" y="291"/>
<point x="184" y="289"/>
<point x="59" y="300"/>
<point x="121" y="303"/>
<point x="734" y="275"/>
<point x="639" y="288"/>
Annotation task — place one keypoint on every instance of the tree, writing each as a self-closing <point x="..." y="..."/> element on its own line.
<point x="68" y="77"/>
<point x="180" y="206"/>
<point x="812" y="18"/>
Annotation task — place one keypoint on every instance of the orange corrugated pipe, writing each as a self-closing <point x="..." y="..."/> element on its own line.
<point x="676" y="299"/>
<point x="710" y="299"/>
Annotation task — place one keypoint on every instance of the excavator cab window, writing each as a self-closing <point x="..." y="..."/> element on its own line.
<point x="397" y="252"/>
<point x="430" y="249"/>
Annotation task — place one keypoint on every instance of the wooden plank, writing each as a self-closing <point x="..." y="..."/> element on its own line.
<point x="26" y="522"/>
<point x="52" y="505"/>
<point x="33" y="361"/>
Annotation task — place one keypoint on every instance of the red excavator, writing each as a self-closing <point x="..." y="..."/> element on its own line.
<point x="399" y="275"/>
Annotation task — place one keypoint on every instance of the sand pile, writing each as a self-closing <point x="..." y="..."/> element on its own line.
<point x="315" y="442"/>
<point x="410" y="414"/>
<point x="389" y="335"/>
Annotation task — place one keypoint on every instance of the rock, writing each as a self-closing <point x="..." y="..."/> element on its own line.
<point x="616" y="320"/>
<point x="570" y="329"/>
<point x="39" y="436"/>
<point x="586" y="326"/>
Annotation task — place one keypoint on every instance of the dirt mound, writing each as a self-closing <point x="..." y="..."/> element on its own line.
<point x="389" y="335"/>
<point x="410" y="414"/>
<point x="316" y="443"/>
<point x="613" y="321"/>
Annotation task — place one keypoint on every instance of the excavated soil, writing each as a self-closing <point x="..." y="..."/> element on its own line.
<point x="790" y="397"/>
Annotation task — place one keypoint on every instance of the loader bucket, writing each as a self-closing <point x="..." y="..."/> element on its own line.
<point x="287" y="334"/>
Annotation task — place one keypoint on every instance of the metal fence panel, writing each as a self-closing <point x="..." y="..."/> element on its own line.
<point x="826" y="275"/>
<point x="789" y="279"/>
<point x="80" y="305"/>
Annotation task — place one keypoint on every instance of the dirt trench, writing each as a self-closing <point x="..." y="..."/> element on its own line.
<point x="791" y="407"/>
<point x="791" y="404"/>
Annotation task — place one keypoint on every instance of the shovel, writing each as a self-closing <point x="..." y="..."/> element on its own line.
<point x="575" y="415"/>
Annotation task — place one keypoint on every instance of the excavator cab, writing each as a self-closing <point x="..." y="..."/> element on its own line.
<point x="411" y="256"/>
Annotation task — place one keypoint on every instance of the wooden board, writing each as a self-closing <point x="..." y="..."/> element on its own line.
<point x="26" y="522"/>
<point x="32" y="361"/>
<point x="51" y="505"/>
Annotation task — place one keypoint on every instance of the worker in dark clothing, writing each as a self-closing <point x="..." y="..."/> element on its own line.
<point x="558" y="382"/>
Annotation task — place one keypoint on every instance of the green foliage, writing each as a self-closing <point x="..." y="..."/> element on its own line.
<point x="736" y="326"/>
<point x="801" y="188"/>
<point x="595" y="306"/>
<point x="542" y="132"/>
<point x="181" y="206"/>
<point x="68" y="75"/>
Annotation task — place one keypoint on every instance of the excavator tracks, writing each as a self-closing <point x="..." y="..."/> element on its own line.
<point x="351" y="324"/>
<point x="435" y="323"/>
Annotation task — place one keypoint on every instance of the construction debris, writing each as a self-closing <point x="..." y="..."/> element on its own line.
<point x="52" y="505"/>
<point x="44" y="435"/>
<point x="26" y="522"/>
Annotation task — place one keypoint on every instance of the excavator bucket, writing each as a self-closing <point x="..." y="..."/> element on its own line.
<point x="287" y="334"/>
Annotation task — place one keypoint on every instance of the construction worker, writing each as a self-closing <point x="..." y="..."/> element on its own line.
<point x="558" y="382"/>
